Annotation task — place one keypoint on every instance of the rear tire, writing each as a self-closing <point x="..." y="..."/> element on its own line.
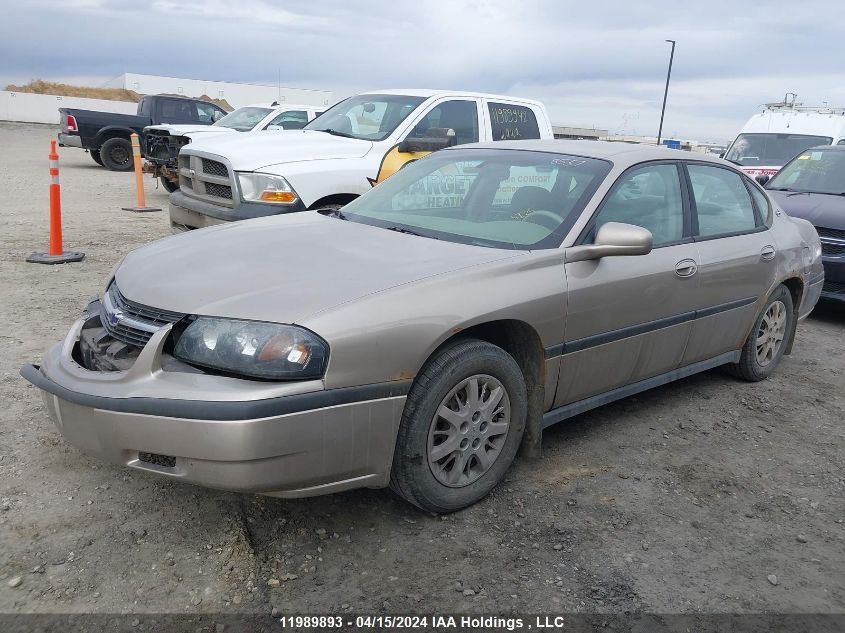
<point x="470" y="396"/>
<point x="116" y="154"/>
<point x="768" y="340"/>
<point x="169" y="186"/>
<point x="95" y="154"/>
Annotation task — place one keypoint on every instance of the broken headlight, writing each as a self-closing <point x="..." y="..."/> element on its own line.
<point x="252" y="348"/>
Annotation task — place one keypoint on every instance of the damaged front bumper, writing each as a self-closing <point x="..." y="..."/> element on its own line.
<point x="284" y="439"/>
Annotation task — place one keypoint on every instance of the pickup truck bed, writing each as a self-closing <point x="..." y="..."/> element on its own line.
<point x="106" y="134"/>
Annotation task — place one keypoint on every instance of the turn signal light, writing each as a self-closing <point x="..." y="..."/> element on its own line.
<point x="278" y="196"/>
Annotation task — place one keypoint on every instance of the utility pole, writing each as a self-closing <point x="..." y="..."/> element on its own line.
<point x="666" y="91"/>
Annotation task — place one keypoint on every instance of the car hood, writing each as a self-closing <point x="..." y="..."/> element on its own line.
<point x="181" y="130"/>
<point x="285" y="268"/>
<point x="250" y="152"/>
<point x="819" y="209"/>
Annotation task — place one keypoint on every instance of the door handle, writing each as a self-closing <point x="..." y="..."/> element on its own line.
<point x="686" y="268"/>
<point x="768" y="253"/>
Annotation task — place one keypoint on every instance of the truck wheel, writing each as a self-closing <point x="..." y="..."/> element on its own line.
<point x="462" y="424"/>
<point x="95" y="154"/>
<point x="116" y="154"/>
<point x="168" y="185"/>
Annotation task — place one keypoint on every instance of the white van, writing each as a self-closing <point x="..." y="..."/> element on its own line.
<point x="354" y="145"/>
<point x="775" y="136"/>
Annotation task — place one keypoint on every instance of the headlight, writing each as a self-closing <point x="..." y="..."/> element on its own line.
<point x="252" y="348"/>
<point x="257" y="187"/>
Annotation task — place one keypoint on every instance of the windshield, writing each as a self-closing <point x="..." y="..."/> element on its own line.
<point x="815" y="171"/>
<point x="243" y="119"/>
<point x="771" y="150"/>
<point x="513" y="199"/>
<point x="368" y="117"/>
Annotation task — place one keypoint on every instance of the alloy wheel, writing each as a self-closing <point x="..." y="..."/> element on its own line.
<point x="771" y="333"/>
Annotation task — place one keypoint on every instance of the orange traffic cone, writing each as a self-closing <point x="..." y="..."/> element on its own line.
<point x="139" y="180"/>
<point x="55" y="254"/>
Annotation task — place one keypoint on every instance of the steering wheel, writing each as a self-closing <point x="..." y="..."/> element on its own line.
<point x="544" y="218"/>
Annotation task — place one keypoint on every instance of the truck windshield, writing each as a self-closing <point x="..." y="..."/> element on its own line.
<point x="771" y="150"/>
<point x="510" y="199"/>
<point x="243" y="119"/>
<point x="813" y="171"/>
<point x="367" y="117"/>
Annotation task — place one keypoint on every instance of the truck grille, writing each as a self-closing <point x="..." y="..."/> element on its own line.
<point x="214" y="168"/>
<point x="131" y="322"/>
<point x="205" y="179"/>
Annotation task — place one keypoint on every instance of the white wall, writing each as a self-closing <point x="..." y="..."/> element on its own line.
<point x="32" y="108"/>
<point x="236" y="94"/>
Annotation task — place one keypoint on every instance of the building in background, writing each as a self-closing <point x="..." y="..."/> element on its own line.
<point x="235" y="94"/>
<point x="579" y="133"/>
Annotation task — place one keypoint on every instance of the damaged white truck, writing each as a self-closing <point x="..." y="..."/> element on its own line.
<point x="163" y="142"/>
<point x="340" y="155"/>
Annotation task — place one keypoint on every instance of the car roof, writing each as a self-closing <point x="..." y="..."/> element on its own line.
<point x="627" y="153"/>
<point x="429" y="92"/>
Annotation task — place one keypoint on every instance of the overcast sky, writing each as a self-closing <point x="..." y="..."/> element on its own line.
<point x="595" y="63"/>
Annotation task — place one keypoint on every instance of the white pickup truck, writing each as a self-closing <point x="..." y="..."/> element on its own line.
<point x="341" y="154"/>
<point x="162" y="142"/>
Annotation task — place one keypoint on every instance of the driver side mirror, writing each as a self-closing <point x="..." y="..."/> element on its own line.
<point x="275" y="127"/>
<point x="438" y="138"/>
<point x="762" y="179"/>
<point x="613" y="239"/>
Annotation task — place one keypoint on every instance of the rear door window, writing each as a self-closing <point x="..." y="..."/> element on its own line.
<point x="177" y="111"/>
<point x="511" y="122"/>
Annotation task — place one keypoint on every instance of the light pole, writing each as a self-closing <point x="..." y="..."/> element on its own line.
<point x="666" y="91"/>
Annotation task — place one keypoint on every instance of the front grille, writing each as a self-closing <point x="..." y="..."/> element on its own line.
<point x="214" y="168"/>
<point x="218" y="191"/>
<point x="836" y="234"/>
<point x="206" y="179"/>
<point x="132" y="322"/>
<point x="834" y="286"/>
<point x="833" y="249"/>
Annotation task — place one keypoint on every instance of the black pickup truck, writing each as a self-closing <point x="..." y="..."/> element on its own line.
<point x="106" y="134"/>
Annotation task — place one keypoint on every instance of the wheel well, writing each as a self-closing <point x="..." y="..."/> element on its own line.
<point x="336" y="198"/>
<point x="796" y="289"/>
<point x="521" y="341"/>
<point x="109" y="134"/>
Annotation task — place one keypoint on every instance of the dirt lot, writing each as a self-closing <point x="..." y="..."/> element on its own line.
<point x="708" y="495"/>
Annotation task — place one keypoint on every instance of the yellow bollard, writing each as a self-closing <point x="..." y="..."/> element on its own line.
<point x="139" y="178"/>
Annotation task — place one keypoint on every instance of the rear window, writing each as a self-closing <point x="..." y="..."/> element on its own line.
<point x="512" y="122"/>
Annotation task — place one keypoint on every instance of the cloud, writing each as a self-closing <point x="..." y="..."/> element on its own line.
<point x="601" y="63"/>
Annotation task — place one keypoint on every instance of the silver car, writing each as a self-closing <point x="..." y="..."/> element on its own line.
<point x="419" y="336"/>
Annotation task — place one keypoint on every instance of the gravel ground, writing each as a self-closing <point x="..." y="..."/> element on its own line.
<point x="707" y="495"/>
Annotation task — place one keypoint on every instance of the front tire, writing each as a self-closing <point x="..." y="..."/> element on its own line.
<point x="116" y="154"/>
<point x="168" y="185"/>
<point x="462" y="425"/>
<point x="765" y="346"/>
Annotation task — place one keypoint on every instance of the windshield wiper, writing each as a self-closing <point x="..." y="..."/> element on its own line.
<point x="337" y="133"/>
<point x="407" y="231"/>
<point x="779" y="189"/>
